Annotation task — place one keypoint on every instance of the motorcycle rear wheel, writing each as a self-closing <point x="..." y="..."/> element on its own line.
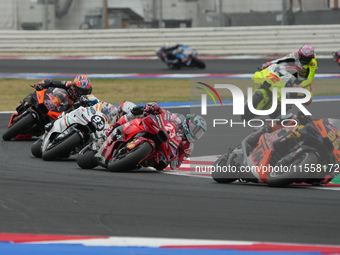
<point x="87" y="160"/>
<point x="130" y="160"/>
<point x="281" y="179"/>
<point x="18" y="127"/>
<point x="64" y="148"/>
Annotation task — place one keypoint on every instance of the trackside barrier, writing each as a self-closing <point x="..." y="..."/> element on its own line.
<point x="263" y="40"/>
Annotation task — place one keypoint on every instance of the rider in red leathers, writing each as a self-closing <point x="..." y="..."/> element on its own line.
<point x="189" y="129"/>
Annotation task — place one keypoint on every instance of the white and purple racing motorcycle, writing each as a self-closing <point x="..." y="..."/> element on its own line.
<point x="71" y="132"/>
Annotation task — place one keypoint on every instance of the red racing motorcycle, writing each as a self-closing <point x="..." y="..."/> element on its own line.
<point x="35" y="111"/>
<point x="151" y="141"/>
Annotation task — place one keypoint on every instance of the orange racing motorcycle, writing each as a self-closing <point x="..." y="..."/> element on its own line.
<point x="307" y="153"/>
<point x="35" y="111"/>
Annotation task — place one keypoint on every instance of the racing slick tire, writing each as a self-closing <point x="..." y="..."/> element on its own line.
<point x="18" y="127"/>
<point x="130" y="159"/>
<point x="63" y="148"/>
<point x="36" y="148"/>
<point x="289" y="175"/>
<point x="86" y="160"/>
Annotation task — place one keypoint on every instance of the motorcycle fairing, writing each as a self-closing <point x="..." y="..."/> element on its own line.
<point x="320" y="125"/>
<point x="80" y="116"/>
<point x="260" y="157"/>
<point x="153" y="124"/>
<point x="135" y="142"/>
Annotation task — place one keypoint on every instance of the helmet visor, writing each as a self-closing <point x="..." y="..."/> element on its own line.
<point x="305" y="60"/>
<point x="196" y="131"/>
<point x="82" y="91"/>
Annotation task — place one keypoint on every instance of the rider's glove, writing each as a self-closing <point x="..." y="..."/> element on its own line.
<point x="39" y="86"/>
<point x="152" y="108"/>
<point x="45" y="83"/>
<point x="265" y="65"/>
<point x="137" y="110"/>
<point x="68" y="84"/>
<point x="84" y="100"/>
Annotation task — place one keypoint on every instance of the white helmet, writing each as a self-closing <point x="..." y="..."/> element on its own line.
<point x="125" y="108"/>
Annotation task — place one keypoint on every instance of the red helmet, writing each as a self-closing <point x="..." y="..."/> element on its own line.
<point x="82" y="86"/>
<point x="306" y="54"/>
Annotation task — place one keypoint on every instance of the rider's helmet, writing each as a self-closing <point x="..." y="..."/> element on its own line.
<point x="194" y="127"/>
<point x="125" y="108"/>
<point x="306" y="54"/>
<point x="165" y="45"/>
<point x="81" y="86"/>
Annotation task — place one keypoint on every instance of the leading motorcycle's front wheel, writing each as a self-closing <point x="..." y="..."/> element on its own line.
<point x="62" y="148"/>
<point x="23" y="124"/>
<point x="128" y="160"/>
<point x="284" y="176"/>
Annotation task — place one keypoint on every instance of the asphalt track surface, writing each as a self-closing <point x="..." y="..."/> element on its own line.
<point x="40" y="197"/>
<point x="221" y="66"/>
<point x="59" y="198"/>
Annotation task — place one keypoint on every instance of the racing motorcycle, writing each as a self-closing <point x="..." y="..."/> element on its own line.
<point x="35" y="111"/>
<point x="302" y="154"/>
<point x="336" y="56"/>
<point x="151" y="141"/>
<point x="71" y="132"/>
<point x="183" y="56"/>
<point x="274" y="76"/>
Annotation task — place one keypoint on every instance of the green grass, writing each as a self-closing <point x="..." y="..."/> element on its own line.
<point x="113" y="91"/>
<point x="143" y="90"/>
